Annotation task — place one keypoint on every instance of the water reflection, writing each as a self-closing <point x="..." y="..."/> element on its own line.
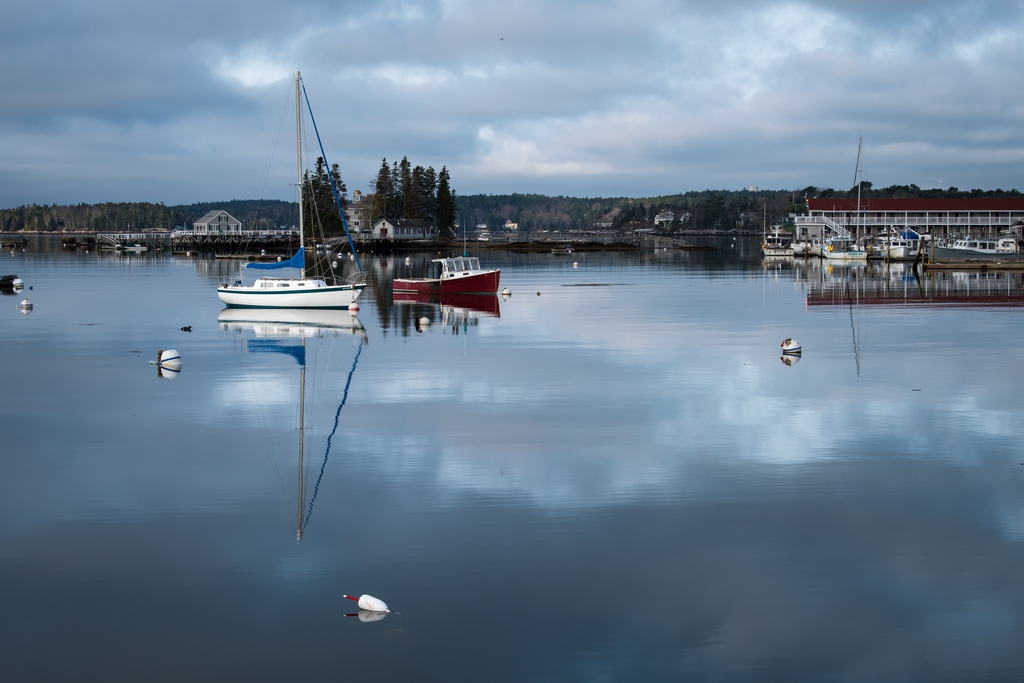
<point x="286" y="331"/>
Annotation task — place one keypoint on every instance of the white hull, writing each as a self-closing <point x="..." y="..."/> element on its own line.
<point x="339" y="297"/>
<point x="836" y="255"/>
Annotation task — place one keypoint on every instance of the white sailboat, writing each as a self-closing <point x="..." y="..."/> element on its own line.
<point x="301" y="292"/>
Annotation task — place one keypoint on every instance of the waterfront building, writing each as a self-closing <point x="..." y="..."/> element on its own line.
<point x="940" y="217"/>
<point x="403" y="229"/>
<point x="217" y="223"/>
<point x="664" y="218"/>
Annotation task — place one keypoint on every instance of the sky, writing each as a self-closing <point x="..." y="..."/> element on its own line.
<point x="191" y="101"/>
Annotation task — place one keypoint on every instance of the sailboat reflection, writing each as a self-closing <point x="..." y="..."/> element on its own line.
<point x="290" y="322"/>
<point x="276" y="332"/>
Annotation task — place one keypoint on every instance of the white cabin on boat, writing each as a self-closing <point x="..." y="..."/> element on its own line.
<point x="217" y="223"/>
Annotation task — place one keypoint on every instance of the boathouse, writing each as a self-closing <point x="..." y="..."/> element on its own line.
<point x="403" y="229"/>
<point x="941" y="217"/>
<point x="217" y="223"/>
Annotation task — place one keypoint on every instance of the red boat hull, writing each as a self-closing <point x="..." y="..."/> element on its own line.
<point x="482" y="283"/>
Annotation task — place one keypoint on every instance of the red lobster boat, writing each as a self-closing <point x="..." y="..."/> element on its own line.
<point x="459" y="275"/>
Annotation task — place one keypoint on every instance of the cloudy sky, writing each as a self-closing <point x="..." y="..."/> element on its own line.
<point x="115" y="100"/>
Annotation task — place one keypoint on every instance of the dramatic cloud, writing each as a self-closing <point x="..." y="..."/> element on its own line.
<point x="121" y="101"/>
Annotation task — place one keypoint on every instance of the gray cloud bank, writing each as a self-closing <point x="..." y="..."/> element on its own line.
<point x="128" y="101"/>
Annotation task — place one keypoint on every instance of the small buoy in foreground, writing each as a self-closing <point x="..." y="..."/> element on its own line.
<point x="423" y="322"/>
<point x="575" y="264"/>
<point x="25" y="306"/>
<point x="506" y="292"/>
<point x="370" y="603"/>
<point x="790" y="346"/>
<point x="169" y="359"/>
<point x="408" y="260"/>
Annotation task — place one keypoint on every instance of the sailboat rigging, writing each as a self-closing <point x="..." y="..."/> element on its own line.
<point x="301" y="292"/>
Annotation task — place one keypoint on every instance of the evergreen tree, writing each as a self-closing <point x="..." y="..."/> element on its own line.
<point x="382" y="190"/>
<point x="447" y="210"/>
<point x="321" y="208"/>
<point x="406" y="187"/>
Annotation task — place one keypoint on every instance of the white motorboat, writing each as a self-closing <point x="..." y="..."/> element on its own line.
<point x="844" y="249"/>
<point x="300" y="292"/>
<point x="777" y="245"/>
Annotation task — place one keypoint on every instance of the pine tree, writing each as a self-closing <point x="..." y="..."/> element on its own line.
<point x="406" y="186"/>
<point x="447" y="210"/>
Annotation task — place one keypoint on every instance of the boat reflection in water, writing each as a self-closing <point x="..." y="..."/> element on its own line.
<point x="899" y="284"/>
<point x="285" y="331"/>
<point x="460" y="311"/>
<point x="366" y="615"/>
<point x="291" y="322"/>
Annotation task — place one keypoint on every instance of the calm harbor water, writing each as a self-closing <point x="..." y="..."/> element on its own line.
<point x="611" y="476"/>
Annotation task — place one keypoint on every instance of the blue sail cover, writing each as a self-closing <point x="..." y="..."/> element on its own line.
<point x="297" y="261"/>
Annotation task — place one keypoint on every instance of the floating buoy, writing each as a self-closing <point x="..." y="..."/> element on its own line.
<point x="351" y="257"/>
<point x="17" y="283"/>
<point x="790" y="346"/>
<point x="423" y="322"/>
<point x="263" y="252"/>
<point x="575" y="264"/>
<point x="353" y="307"/>
<point x="25" y="306"/>
<point x="278" y="259"/>
<point x="506" y="292"/>
<point x="187" y="328"/>
<point x="408" y="260"/>
<point x="370" y="603"/>
<point x="334" y="264"/>
<point x="538" y="293"/>
<point x="170" y="359"/>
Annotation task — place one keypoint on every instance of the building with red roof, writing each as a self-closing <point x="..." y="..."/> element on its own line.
<point x="941" y="217"/>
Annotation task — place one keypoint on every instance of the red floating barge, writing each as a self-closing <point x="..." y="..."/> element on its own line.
<point x="458" y="276"/>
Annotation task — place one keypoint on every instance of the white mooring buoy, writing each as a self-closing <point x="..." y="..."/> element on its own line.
<point x="790" y="346"/>
<point x="169" y="359"/>
<point x="408" y="260"/>
<point x="334" y="264"/>
<point x="423" y="322"/>
<point x="575" y="264"/>
<point x="353" y="307"/>
<point x="506" y="292"/>
<point x="25" y="306"/>
<point x="370" y="603"/>
<point x="17" y="283"/>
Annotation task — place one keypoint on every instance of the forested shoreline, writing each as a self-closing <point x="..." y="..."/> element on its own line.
<point x="405" y="194"/>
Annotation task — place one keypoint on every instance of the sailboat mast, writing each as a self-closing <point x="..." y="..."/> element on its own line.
<point x="302" y="433"/>
<point x="856" y="180"/>
<point x="298" y="148"/>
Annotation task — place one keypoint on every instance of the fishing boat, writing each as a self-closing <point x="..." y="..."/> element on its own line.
<point x="300" y="292"/>
<point x="777" y="245"/>
<point x="456" y="275"/>
<point x="977" y="248"/>
<point x="844" y="249"/>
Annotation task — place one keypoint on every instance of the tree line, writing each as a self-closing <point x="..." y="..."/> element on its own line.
<point x="405" y="191"/>
<point x="695" y="210"/>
